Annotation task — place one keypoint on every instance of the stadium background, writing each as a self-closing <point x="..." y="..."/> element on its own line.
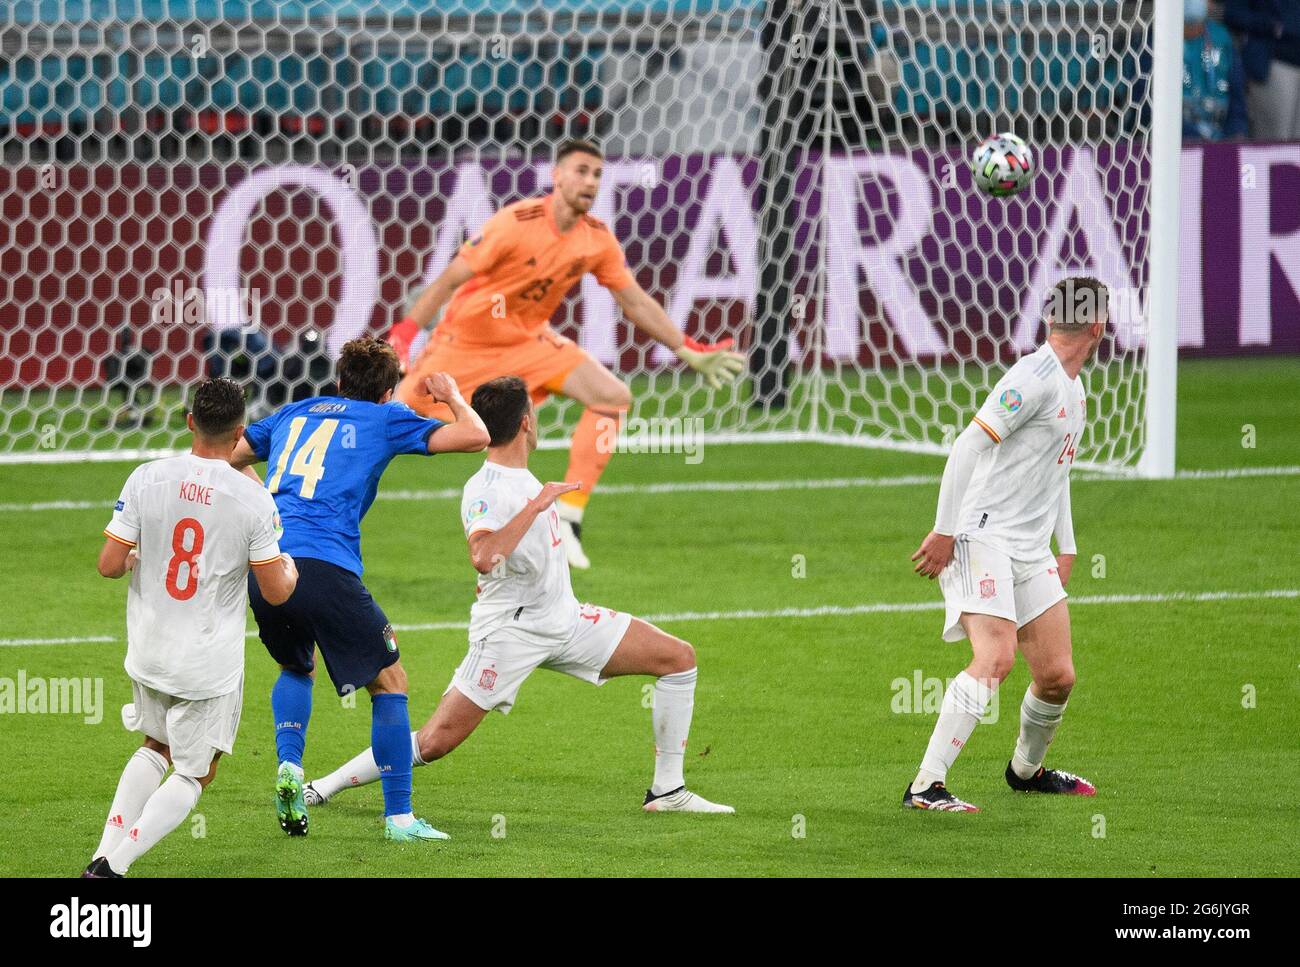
<point x="314" y="162"/>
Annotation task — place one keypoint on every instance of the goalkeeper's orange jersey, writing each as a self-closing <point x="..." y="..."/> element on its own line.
<point x="523" y="268"/>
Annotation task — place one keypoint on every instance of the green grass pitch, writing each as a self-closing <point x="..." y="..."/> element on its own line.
<point x="1185" y="714"/>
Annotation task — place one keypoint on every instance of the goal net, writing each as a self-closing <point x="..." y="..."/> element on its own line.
<point x="212" y="186"/>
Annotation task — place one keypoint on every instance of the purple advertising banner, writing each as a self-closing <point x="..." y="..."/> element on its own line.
<point x="1239" y="255"/>
<point x="917" y="263"/>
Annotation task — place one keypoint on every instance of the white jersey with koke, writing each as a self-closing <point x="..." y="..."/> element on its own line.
<point x="1036" y="414"/>
<point x="529" y="592"/>
<point x="196" y="524"/>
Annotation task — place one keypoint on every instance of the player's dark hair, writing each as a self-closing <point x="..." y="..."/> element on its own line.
<point x="368" y="368"/>
<point x="502" y="404"/>
<point x="577" y="146"/>
<point x="218" y="407"/>
<point x="1077" y="302"/>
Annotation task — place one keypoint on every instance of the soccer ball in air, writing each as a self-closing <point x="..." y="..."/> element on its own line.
<point x="1002" y="165"/>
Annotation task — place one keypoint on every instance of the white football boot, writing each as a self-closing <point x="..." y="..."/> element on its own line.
<point x="571" y="535"/>
<point x="313" y="796"/>
<point x="681" y="800"/>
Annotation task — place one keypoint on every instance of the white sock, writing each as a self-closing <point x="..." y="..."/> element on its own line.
<point x="674" y="703"/>
<point x="143" y="771"/>
<point x="1038" y="722"/>
<point x="964" y="704"/>
<point x="360" y="771"/>
<point x="292" y="767"/>
<point x="402" y="820"/>
<point x="165" y="810"/>
<point x="570" y="512"/>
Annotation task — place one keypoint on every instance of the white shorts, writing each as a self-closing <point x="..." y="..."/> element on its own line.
<point x="194" y="729"/>
<point x="984" y="580"/>
<point x="495" y="667"/>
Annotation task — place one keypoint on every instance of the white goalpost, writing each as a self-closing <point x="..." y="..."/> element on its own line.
<point x="222" y="192"/>
<point x="1160" y="413"/>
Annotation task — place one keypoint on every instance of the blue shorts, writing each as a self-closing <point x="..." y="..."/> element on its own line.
<point x="330" y="609"/>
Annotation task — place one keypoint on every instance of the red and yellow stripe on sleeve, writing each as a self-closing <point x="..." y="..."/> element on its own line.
<point x="987" y="429"/>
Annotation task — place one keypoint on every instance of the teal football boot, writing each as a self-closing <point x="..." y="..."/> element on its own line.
<point x="290" y="806"/>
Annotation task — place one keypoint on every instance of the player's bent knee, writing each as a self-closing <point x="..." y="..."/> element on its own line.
<point x="164" y="750"/>
<point x="1057" y="683"/>
<point x="619" y="396"/>
<point x="391" y="680"/>
<point x="203" y="781"/>
<point x="992" y="670"/>
<point x="682" y="658"/>
<point x="998" y="673"/>
<point x="666" y="655"/>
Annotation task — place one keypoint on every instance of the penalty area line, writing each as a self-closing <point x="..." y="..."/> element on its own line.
<point x="821" y="611"/>
<point x="730" y="486"/>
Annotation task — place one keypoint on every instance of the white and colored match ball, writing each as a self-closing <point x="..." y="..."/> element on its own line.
<point x="1002" y="165"/>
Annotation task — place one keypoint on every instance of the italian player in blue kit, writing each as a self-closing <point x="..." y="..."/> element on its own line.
<point x="325" y="456"/>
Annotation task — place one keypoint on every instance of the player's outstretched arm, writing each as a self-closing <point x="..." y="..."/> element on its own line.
<point x="488" y="548"/>
<point x="936" y="550"/>
<point x="116" y="558"/>
<point x="426" y="308"/>
<point x="276" y="578"/>
<point x="715" y="362"/>
<point x="468" y="434"/>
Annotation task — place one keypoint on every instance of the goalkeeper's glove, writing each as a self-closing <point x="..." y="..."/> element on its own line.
<point x="714" y="361"/>
<point x="401" y="337"/>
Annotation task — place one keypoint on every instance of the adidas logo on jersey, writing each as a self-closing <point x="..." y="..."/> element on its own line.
<point x="1061" y="415"/>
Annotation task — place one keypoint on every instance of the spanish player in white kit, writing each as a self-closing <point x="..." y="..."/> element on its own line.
<point x="525" y="616"/>
<point x="1005" y="493"/>
<point x="187" y="529"/>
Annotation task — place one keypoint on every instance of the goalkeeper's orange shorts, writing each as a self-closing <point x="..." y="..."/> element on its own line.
<point x="542" y="361"/>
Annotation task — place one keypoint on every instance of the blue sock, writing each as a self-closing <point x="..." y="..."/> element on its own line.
<point x="390" y="741"/>
<point x="291" y="708"/>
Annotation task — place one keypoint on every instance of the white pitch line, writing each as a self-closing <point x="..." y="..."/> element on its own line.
<point x="821" y="611"/>
<point x="1233" y="473"/>
<point x="726" y="486"/>
<point x="702" y="486"/>
<point x="56" y="505"/>
<point x="91" y="640"/>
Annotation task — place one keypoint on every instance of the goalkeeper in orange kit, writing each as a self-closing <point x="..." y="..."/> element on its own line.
<point x="504" y="286"/>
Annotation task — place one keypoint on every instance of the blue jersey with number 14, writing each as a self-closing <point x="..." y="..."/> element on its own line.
<point x="324" y="457"/>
